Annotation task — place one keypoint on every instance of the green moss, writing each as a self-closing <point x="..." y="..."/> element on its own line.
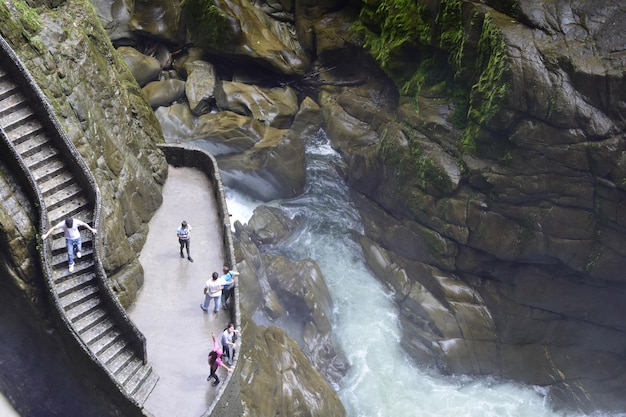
<point x="475" y="78"/>
<point x="209" y="28"/>
<point x="492" y="84"/>
<point x="487" y="93"/>
<point x="17" y="17"/>
<point x="450" y="22"/>
<point x="403" y="155"/>
<point x="391" y="31"/>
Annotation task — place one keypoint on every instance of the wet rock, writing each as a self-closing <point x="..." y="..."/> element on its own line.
<point x="275" y="107"/>
<point x="164" y="93"/>
<point x="159" y="18"/>
<point x="200" y="86"/>
<point x="275" y="364"/>
<point x="115" y="18"/>
<point x="248" y="33"/>
<point x="295" y="295"/>
<point x="144" y="68"/>
<point x="270" y="225"/>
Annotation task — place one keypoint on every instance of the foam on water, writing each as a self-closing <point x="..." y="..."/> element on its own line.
<point x="382" y="381"/>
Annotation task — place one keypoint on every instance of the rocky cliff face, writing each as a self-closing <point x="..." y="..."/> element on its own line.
<point x="504" y="239"/>
<point x="484" y="143"/>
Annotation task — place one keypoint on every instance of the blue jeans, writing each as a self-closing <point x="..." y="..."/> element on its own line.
<point x="207" y="302"/>
<point x="71" y="243"/>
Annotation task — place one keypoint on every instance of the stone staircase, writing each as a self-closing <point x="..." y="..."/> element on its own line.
<point x="83" y="299"/>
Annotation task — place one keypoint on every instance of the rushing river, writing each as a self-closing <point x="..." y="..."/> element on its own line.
<point x="382" y="380"/>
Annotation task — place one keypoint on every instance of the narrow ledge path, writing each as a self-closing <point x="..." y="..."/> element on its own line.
<point x="167" y="310"/>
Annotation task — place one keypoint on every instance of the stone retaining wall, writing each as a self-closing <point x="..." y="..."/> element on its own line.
<point x="227" y="402"/>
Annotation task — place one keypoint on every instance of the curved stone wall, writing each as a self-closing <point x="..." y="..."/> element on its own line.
<point x="227" y="402"/>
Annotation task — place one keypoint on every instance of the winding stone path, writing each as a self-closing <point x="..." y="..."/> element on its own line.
<point x="167" y="310"/>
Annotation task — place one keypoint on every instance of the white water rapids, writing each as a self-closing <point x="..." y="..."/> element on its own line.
<point x="382" y="380"/>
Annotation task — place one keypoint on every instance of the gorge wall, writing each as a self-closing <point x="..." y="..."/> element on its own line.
<point x="483" y="141"/>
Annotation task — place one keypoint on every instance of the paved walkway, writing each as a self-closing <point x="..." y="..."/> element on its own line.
<point x="167" y="310"/>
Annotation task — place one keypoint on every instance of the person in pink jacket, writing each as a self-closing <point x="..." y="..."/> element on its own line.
<point x="215" y="361"/>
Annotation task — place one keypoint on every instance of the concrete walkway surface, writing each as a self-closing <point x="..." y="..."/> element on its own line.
<point x="167" y="310"/>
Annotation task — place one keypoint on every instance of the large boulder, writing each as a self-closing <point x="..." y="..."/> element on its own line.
<point x="279" y="380"/>
<point x="275" y="107"/>
<point x="243" y="31"/>
<point x="127" y="21"/>
<point x="292" y="294"/>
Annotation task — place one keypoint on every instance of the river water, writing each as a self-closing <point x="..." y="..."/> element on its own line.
<point x="382" y="381"/>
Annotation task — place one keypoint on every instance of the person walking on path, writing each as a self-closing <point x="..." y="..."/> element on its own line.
<point x="215" y="361"/>
<point x="228" y="342"/>
<point x="229" y="286"/>
<point x="183" y="233"/>
<point x="73" y="242"/>
<point x="213" y="291"/>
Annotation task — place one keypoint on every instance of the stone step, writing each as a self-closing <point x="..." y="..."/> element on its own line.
<point x="77" y="297"/>
<point x="142" y="390"/>
<point x="40" y="158"/>
<point x="102" y="344"/>
<point x="16" y="118"/>
<point x="58" y="182"/>
<point x="112" y="351"/>
<point x="120" y="361"/>
<point x="99" y="331"/>
<point x="11" y="104"/>
<point x="89" y="320"/>
<point x="81" y="310"/>
<point x="54" y="167"/>
<point x="72" y="208"/>
<point x="24" y="132"/>
<point x="32" y="143"/>
<point x="7" y="87"/>
<point x="74" y="283"/>
<point x="60" y="255"/>
<point x="58" y="199"/>
<point x="127" y="372"/>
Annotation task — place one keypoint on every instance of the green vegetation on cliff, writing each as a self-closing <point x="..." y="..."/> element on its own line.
<point x="454" y="49"/>
<point x="393" y="30"/>
<point x="19" y="18"/>
<point x="402" y="149"/>
<point x="209" y="28"/>
<point x="487" y="93"/>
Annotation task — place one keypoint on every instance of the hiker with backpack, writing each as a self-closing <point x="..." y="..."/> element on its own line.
<point x="215" y="361"/>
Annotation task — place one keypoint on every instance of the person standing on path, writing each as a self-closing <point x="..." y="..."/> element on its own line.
<point x="183" y="233"/>
<point x="215" y="361"/>
<point x="213" y="291"/>
<point x="228" y="342"/>
<point x="229" y="286"/>
<point x="73" y="242"/>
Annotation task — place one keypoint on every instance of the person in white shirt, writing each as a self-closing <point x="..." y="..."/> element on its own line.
<point x="213" y="291"/>
<point x="183" y="233"/>
<point x="70" y="227"/>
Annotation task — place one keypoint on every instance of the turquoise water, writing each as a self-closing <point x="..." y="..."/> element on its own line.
<point x="382" y="381"/>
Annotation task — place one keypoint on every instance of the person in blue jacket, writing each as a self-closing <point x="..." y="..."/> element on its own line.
<point x="229" y="287"/>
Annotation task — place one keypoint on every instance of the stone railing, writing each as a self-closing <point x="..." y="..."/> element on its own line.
<point x="227" y="402"/>
<point x="46" y="116"/>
